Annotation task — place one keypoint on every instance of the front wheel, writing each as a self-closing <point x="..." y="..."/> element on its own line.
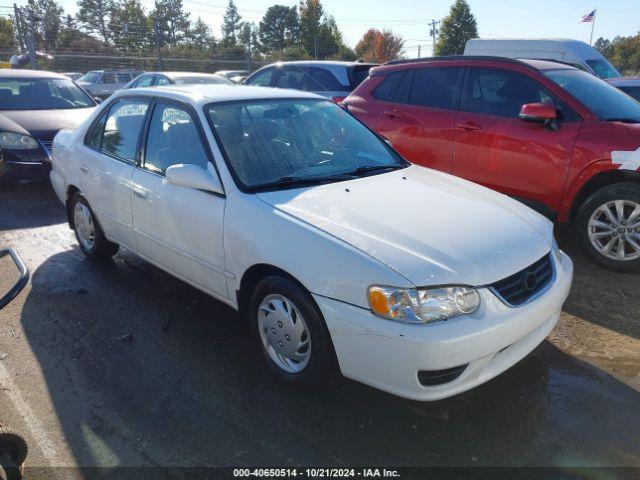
<point x="608" y="224"/>
<point x="92" y="241"/>
<point x="291" y="331"/>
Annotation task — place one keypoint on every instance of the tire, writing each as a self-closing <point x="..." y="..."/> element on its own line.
<point x="94" y="245"/>
<point x="310" y="365"/>
<point x="595" y="238"/>
<point x="14" y="444"/>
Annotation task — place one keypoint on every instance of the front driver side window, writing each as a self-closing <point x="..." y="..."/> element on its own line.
<point x="173" y="138"/>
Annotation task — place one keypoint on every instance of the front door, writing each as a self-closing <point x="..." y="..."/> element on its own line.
<point x="179" y="229"/>
<point x="495" y="148"/>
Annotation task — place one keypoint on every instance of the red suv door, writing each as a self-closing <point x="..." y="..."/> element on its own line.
<point x="494" y="147"/>
<point x="415" y="110"/>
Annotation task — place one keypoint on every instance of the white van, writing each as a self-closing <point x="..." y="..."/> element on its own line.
<point x="574" y="52"/>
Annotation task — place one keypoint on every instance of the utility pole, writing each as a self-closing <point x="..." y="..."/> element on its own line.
<point x="156" y="31"/>
<point x="418" y="51"/>
<point x="18" y="23"/>
<point x="315" y="47"/>
<point x="433" y="31"/>
<point x="32" y="41"/>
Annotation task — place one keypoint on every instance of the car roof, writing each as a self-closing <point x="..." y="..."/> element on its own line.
<point x="18" y="73"/>
<point x="321" y="63"/>
<point x="203" y="94"/>
<point x="181" y="74"/>
<point x="531" y="63"/>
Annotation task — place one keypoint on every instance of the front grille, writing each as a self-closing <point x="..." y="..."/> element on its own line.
<point x="47" y="145"/>
<point x="521" y="287"/>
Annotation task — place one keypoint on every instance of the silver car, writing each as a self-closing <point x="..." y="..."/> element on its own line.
<point x="102" y="83"/>
<point x="331" y="79"/>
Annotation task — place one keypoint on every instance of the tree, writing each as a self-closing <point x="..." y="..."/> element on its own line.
<point x="95" y="15"/>
<point x="6" y="34"/>
<point x="458" y="27"/>
<point x="173" y="22"/>
<point x="200" y="35"/>
<point x="231" y="24"/>
<point x="279" y="28"/>
<point x="48" y="19"/>
<point x="131" y="25"/>
<point x="311" y="13"/>
<point x="379" y="46"/>
<point x="604" y="46"/>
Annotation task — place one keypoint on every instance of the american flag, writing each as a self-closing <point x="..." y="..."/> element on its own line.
<point x="589" y="17"/>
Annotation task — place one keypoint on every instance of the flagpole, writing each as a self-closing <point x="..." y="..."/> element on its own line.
<point x="593" y="24"/>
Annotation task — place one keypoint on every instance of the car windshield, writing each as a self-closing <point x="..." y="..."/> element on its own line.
<point x="42" y="94"/>
<point x="90" y="77"/>
<point x="603" y="99"/>
<point x="633" y="92"/>
<point x="200" y="80"/>
<point x="603" y="69"/>
<point x="283" y="143"/>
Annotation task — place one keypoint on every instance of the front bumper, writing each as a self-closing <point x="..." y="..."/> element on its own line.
<point x="388" y="355"/>
<point x="25" y="164"/>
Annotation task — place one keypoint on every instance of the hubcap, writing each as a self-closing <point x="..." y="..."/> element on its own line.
<point x="284" y="333"/>
<point x="614" y="230"/>
<point x="84" y="225"/>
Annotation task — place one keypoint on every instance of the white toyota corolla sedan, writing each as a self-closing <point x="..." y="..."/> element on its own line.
<point x="339" y="252"/>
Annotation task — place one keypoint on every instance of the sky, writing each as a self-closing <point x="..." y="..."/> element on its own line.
<point x="409" y="18"/>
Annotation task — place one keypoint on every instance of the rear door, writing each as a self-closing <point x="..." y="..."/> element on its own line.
<point x="106" y="166"/>
<point x="419" y="121"/>
<point x="495" y="148"/>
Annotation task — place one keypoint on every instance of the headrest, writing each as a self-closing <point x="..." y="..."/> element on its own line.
<point x="181" y="135"/>
<point x="128" y="124"/>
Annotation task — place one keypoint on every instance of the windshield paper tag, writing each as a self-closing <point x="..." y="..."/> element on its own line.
<point x="628" y="160"/>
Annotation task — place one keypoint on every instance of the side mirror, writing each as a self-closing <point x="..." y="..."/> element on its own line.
<point x="192" y="176"/>
<point x="12" y="272"/>
<point x="538" y="112"/>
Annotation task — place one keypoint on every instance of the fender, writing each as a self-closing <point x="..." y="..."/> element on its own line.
<point x="621" y="165"/>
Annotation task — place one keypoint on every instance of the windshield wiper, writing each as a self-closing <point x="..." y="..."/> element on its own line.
<point x="622" y="119"/>
<point x="289" y="180"/>
<point x="374" y="168"/>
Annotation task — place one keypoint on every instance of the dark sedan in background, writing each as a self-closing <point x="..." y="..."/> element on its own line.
<point x="34" y="106"/>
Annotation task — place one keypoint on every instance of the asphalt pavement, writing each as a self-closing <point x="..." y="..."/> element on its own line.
<point x="123" y="365"/>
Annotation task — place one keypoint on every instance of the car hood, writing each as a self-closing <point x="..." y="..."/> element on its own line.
<point x="44" y="124"/>
<point x="428" y="226"/>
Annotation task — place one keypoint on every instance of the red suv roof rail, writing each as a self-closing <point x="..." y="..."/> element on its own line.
<point x="459" y="57"/>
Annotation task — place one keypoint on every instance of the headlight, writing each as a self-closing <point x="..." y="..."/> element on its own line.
<point x="17" y="141"/>
<point x="422" y="305"/>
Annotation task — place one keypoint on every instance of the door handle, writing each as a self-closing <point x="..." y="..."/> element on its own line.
<point x="140" y="193"/>
<point x="469" y="126"/>
<point x="84" y="169"/>
<point x="393" y="113"/>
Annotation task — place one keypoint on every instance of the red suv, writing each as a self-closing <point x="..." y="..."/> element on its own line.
<point x="559" y="139"/>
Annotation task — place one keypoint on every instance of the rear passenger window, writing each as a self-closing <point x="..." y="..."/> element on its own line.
<point x="434" y="87"/>
<point x="173" y="138"/>
<point x="262" y="78"/>
<point x="122" y="128"/>
<point x="323" y="80"/>
<point x="384" y="91"/>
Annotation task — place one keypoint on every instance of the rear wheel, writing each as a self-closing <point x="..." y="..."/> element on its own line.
<point x="92" y="241"/>
<point x="291" y="331"/>
<point x="608" y="224"/>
